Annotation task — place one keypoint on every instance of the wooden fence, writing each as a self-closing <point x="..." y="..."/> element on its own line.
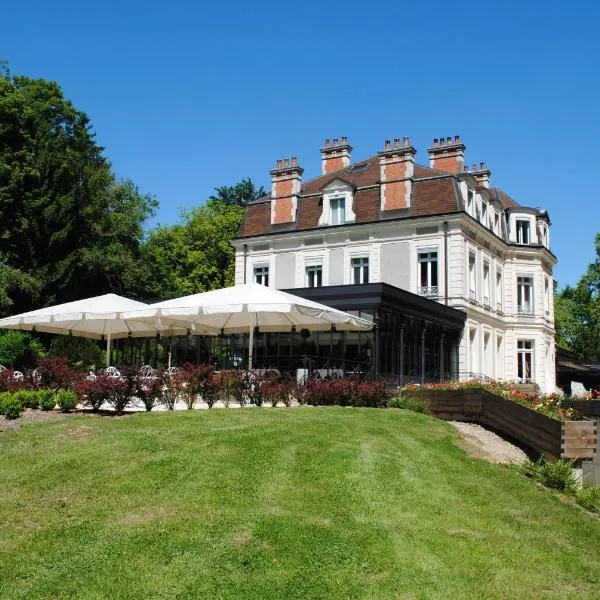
<point x="534" y="431"/>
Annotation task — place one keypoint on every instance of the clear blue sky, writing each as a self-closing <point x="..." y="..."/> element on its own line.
<point x="186" y="96"/>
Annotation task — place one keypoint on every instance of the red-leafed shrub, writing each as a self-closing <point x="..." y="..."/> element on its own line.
<point x="149" y="390"/>
<point x="329" y="392"/>
<point x="200" y="380"/>
<point x="56" y="372"/>
<point x="371" y="394"/>
<point x="171" y="386"/>
<point x="116" y="391"/>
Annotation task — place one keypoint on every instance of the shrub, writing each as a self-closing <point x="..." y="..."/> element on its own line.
<point x="329" y="392"/>
<point x="409" y="403"/>
<point x="56" y="373"/>
<point x="18" y="348"/>
<point x="82" y="352"/>
<point x="171" y="385"/>
<point x="47" y="399"/>
<point x="149" y="390"/>
<point x="28" y="398"/>
<point x="589" y="498"/>
<point x="11" y="406"/>
<point x="556" y="475"/>
<point x="373" y="395"/>
<point x="232" y="387"/>
<point x="67" y="400"/>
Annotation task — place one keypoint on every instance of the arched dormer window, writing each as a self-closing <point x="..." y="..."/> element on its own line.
<point x="338" y="203"/>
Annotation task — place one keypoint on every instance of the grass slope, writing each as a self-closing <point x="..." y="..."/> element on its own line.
<point x="287" y="503"/>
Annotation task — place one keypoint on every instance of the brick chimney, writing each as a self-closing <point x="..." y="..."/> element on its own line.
<point x="335" y="156"/>
<point x="447" y="155"/>
<point x="396" y="165"/>
<point x="286" y="181"/>
<point x="481" y="174"/>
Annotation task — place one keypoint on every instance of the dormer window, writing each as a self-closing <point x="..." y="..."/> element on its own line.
<point x="337" y="203"/>
<point x="337" y="211"/>
<point x="523" y="235"/>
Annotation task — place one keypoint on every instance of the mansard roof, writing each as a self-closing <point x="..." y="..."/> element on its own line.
<point x="434" y="192"/>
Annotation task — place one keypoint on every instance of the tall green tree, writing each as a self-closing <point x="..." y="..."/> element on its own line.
<point x="577" y="312"/>
<point x="66" y="222"/>
<point x="239" y="194"/>
<point x="196" y="255"/>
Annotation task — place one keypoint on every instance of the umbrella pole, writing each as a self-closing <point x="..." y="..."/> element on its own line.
<point x="251" y="347"/>
<point x="108" y="350"/>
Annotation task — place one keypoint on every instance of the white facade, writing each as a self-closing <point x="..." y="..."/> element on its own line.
<point x="504" y="287"/>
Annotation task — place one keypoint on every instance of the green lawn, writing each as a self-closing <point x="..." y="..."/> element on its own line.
<point x="278" y="503"/>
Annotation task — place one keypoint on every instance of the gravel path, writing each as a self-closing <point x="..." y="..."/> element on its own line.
<point x="478" y="442"/>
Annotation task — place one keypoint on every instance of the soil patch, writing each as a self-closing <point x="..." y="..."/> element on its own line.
<point x="27" y="416"/>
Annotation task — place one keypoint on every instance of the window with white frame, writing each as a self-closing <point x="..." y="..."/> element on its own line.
<point x="486" y="282"/>
<point x="428" y="272"/>
<point x="499" y="289"/>
<point x="314" y="275"/>
<point x="525" y="360"/>
<point x="547" y="295"/>
<point x="360" y="269"/>
<point x="523" y="234"/>
<point x="337" y="211"/>
<point x="261" y="275"/>
<point x="525" y="295"/>
<point x="472" y="277"/>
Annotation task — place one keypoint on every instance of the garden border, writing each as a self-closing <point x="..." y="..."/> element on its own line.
<point x="538" y="433"/>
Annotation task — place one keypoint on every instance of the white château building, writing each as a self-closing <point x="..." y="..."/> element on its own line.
<point x="456" y="274"/>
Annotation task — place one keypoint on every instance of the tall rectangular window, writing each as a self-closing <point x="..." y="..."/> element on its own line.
<point x="338" y="211"/>
<point x="547" y="295"/>
<point x="486" y="283"/>
<point x="360" y="270"/>
<point x="496" y="224"/>
<point x="499" y="289"/>
<point x="525" y="295"/>
<point x="261" y="275"/>
<point x="525" y="360"/>
<point x="428" y="272"/>
<point x="472" y="277"/>
<point x="314" y="276"/>
<point x="522" y="232"/>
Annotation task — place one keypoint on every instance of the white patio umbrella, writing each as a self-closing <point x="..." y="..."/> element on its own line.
<point x="100" y="317"/>
<point x="241" y="308"/>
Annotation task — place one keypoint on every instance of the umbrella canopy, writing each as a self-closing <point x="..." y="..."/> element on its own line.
<point x="100" y="317"/>
<point x="241" y="308"/>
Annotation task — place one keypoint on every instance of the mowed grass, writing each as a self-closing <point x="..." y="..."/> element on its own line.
<point x="285" y="503"/>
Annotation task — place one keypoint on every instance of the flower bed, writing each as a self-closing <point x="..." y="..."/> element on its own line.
<point x="550" y="405"/>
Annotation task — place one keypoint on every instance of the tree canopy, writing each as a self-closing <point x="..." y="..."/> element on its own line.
<point x="69" y="228"/>
<point x="196" y="255"/>
<point x="577" y="312"/>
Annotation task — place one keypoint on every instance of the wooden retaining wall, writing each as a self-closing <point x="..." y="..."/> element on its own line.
<point x="543" y="435"/>
<point x="587" y="408"/>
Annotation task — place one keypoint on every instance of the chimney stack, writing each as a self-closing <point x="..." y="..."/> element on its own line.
<point x="396" y="167"/>
<point x="447" y="155"/>
<point x="286" y="181"/>
<point x="335" y="156"/>
<point x="481" y="174"/>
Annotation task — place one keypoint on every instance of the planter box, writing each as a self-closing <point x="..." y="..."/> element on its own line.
<point x="587" y="408"/>
<point x="540" y="434"/>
